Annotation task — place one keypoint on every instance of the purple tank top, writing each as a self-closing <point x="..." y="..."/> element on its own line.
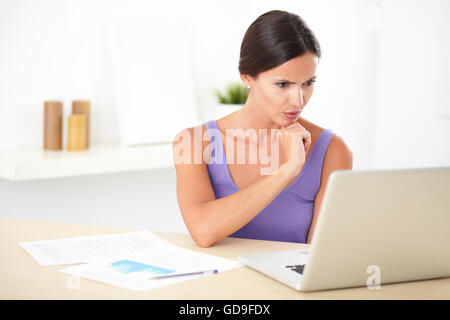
<point x="288" y="217"/>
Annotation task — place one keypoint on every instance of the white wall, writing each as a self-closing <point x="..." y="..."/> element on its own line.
<point x="412" y="129"/>
<point x="58" y="50"/>
<point x="382" y="84"/>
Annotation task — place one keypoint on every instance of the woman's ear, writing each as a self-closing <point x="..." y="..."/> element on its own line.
<point x="247" y="80"/>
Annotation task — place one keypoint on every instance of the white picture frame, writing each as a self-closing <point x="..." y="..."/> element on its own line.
<point x="153" y="80"/>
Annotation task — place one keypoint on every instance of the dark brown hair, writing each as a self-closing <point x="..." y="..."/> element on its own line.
<point x="274" y="38"/>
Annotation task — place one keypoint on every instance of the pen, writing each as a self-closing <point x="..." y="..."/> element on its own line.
<point x="184" y="274"/>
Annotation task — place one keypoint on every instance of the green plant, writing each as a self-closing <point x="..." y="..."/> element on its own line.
<point x="235" y="93"/>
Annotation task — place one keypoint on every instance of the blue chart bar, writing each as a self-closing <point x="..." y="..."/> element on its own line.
<point x="128" y="266"/>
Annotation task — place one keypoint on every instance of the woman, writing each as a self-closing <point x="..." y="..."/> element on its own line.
<point x="220" y="196"/>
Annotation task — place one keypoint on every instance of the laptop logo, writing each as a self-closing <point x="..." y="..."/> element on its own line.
<point x="374" y="280"/>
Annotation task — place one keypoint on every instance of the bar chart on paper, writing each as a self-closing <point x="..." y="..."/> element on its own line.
<point x="128" y="266"/>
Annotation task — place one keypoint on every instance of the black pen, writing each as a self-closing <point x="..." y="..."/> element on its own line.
<point x="184" y="274"/>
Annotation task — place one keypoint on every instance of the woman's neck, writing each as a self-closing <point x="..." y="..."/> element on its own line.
<point x="253" y="118"/>
<point x="250" y="116"/>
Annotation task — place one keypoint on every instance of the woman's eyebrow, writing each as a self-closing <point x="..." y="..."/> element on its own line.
<point x="281" y="79"/>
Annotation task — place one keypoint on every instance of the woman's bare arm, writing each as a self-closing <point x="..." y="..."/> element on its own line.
<point x="209" y="219"/>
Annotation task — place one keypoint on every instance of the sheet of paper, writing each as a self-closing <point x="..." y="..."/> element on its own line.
<point x="88" y="248"/>
<point x="133" y="271"/>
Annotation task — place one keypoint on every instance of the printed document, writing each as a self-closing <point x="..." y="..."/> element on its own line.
<point x="133" y="271"/>
<point x="89" y="248"/>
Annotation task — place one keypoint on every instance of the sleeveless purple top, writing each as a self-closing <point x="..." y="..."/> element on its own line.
<point x="288" y="217"/>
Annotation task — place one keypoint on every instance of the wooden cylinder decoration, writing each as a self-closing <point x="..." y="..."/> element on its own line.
<point x="83" y="107"/>
<point x="53" y="125"/>
<point x="76" y="132"/>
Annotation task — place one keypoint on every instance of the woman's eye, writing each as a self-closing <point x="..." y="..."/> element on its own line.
<point x="309" y="83"/>
<point x="282" y="84"/>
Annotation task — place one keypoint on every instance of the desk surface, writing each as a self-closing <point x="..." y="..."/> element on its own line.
<point x="23" y="278"/>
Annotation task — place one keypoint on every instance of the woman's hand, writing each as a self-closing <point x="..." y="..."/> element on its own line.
<point x="294" y="142"/>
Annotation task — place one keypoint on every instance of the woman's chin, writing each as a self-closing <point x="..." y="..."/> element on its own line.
<point x="287" y="122"/>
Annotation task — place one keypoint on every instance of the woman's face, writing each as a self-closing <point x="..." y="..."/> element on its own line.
<point x="283" y="89"/>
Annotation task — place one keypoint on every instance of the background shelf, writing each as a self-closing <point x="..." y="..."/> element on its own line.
<point x="33" y="163"/>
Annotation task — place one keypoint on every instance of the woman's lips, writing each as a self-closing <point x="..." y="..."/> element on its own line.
<point x="291" y="115"/>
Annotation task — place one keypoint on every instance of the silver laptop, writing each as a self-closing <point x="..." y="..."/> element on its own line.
<point x="374" y="227"/>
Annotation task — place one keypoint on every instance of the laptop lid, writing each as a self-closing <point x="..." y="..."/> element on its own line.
<point x="383" y="225"/>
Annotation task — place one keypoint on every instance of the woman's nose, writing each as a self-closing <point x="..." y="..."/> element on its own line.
<point x="298" y="97"/>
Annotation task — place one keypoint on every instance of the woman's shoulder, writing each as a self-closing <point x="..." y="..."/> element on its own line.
<point x="193" y="134"/>
<point x="337" y="143"/>
<point x="191" y="138"/>
<point x="338" y="149"/>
